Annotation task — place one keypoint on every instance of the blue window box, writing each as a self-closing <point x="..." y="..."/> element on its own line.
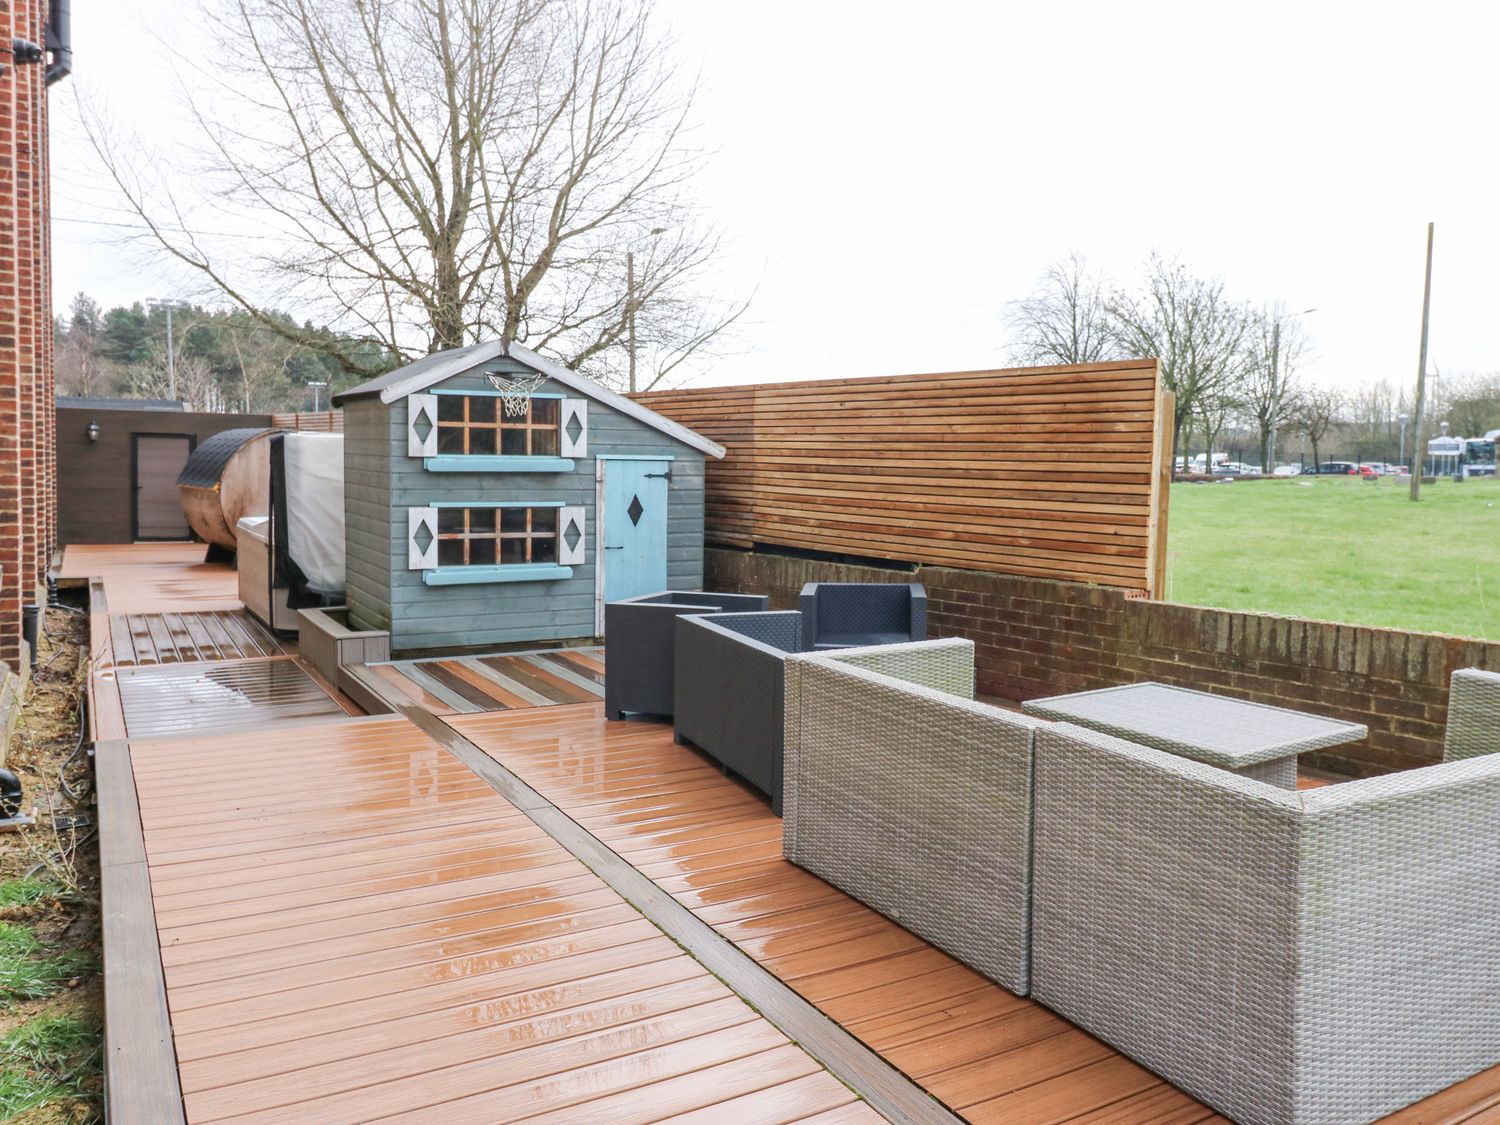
<point x="483" y="463"/>
<point x="481" y="575"/>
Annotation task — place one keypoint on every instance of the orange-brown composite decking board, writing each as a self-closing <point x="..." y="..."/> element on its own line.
<point x="469" y="962"/>
<point x="275" y="894"/>
<point x="154" y="577"/>
<point x="714" y="845"/>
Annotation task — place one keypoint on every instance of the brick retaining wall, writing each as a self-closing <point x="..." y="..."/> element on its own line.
<point x="1037" y="637"/>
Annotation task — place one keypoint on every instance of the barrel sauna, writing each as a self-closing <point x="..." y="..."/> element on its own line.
<point x="227" y="477"/>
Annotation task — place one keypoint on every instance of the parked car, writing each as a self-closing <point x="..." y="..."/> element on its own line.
<point x="1339" y="468"/>
<point x="1289" y="470"/>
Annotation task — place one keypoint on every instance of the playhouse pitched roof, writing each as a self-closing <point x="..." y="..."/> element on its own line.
<point x="433" y="369"/>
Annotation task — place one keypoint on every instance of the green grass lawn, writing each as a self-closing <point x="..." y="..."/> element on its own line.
<point x="1341" y="549"/>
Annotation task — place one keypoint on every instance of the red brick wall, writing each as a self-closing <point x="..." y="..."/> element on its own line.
<point x="27" y="461"/>
<point x="1036" y="637"/>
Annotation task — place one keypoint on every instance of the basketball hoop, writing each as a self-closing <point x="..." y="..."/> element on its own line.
<point x="515" y="391"/>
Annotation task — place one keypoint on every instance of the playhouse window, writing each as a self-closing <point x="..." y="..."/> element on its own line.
<point x="478" y="425"/>
<point x="490" y="536"/>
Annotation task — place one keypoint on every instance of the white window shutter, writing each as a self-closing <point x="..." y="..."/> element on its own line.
<point x="575" y="408"/>
<point x="421" y="426"/>
<point x="421" y="538"/>
<point x="570" y="529"/>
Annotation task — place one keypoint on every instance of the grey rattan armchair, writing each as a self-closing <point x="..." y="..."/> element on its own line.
<point x="1473" y="715"/>
<point x="907" y="794"/>
<point x="1322" y="957"/>
<point x="853" y="614"/>
<point x="640" y="640"/>
<point x="729" y="691"/>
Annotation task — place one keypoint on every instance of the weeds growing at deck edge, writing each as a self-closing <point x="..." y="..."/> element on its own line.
<point x="48" y="1061"/>
<point x="1341" y="549"/>
<point x="50" y="991"/>
<point x="30" y="971"/>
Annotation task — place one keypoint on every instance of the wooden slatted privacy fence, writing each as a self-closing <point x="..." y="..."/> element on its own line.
<point x="323" y="421"/>
<point x="1058" y="472"/>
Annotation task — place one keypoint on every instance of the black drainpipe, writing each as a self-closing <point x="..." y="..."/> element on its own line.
<point x="59" y="40"/>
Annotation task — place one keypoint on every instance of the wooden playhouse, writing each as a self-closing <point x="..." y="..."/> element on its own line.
<point x="494" y="497"/>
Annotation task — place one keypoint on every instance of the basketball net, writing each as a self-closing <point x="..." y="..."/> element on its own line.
<point x="515" y="391"/>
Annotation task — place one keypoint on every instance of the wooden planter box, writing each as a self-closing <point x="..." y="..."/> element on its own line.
<point x="328" y="644"/>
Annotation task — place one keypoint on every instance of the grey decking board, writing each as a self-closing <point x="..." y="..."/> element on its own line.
<point x="141" y="1082"/>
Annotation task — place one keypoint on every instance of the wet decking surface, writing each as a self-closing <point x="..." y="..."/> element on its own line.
<point x="353" y="925"/>
<point x="467" y="685"/>
<point x="176" y="638"/>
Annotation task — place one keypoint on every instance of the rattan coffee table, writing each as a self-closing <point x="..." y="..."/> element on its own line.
<point x="1252" y="739"/>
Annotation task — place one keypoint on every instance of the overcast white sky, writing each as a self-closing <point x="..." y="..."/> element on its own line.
<point x="892" y="174"/>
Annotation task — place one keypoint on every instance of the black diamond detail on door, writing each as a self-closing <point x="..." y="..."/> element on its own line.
<point x="572" y="536"/>
<point x="573" y="429"/>
<point x="422" y="425"/>
<point x="423" y="537"/>
<point x="635" y="511"/>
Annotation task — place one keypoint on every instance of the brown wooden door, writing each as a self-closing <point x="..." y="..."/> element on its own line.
<point x="155" y="462"/>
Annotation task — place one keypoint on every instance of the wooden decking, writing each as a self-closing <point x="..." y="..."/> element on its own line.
<point x="467" y="685"/>
<point x="182" y="638"/>
<point x="219" y="696"/>
<point x="354" y="926"/>
<point x="340" y="919"/>
<point x="716" y="847"/>
<point x="155" y="577"/>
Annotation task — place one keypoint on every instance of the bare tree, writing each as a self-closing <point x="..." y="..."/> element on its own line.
<point x="261" y="358"/>
<point x="1370" y="420"/>
<point x="197" y="384"/>
<point x="79" y="368"/>
<point x="1469" y="401"/>
<point x="431" y="172"/>
<point x="1192" y="328"/>
<point x="1276" y="345"/>
<point x="1316" y="413"/>
<point x="1215" y="412"/>
<point x="1064" y="319"/>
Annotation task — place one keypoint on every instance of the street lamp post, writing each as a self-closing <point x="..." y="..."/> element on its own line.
<point x="317" y="387"/>
<point x="1403" y="419"/>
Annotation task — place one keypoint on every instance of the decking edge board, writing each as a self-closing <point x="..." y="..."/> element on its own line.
<point x="141" y="1082"/>
<point x="864" y="1071"/>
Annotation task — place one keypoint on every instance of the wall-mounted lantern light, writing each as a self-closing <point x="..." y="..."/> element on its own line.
<point x="93" y="431"/>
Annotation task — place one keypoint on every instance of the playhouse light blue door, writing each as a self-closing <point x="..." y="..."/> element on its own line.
<point x="635" y="528"/>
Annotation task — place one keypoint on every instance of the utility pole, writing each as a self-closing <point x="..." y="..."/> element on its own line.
<point x="1416" y="435"/>
<point x="167" y="305"/>
<point x="171" y="359"/>
<point x="630" y="312"/>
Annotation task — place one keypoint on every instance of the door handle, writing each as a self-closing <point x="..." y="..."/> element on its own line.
<point x="621" y="547"/>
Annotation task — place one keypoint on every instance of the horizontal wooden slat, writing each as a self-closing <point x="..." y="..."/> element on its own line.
<point x="1036" y="471"/>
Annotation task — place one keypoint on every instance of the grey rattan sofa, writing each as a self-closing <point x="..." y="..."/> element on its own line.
<point x="907" y="794"/>
<point x="640" y="641"/>
<point x="853" y="614"/>
<point x="1315" y="958"/>
<point x="729" y="690"/>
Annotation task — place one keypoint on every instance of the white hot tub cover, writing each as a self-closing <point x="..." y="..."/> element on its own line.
<point x="315" y="508"/>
